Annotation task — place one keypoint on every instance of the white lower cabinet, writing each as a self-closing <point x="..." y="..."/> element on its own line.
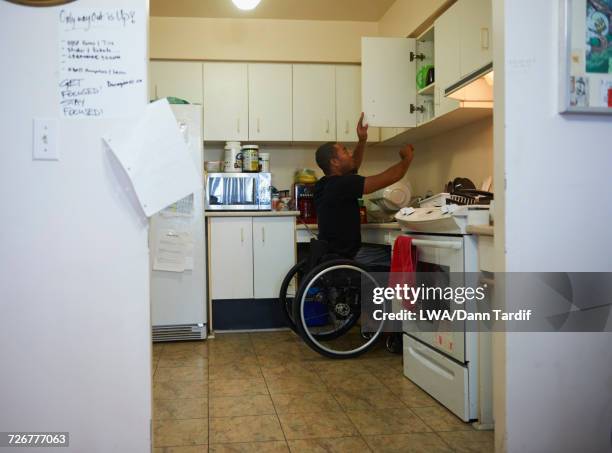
<point x="231" y="258"/>
<point x="273" y="254"/>
<point x="249" y="256"/>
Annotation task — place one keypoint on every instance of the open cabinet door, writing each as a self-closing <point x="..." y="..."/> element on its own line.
<point x="388" y="81"/>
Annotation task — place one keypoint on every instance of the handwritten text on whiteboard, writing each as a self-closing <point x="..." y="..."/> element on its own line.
<point x="102" y="62"/>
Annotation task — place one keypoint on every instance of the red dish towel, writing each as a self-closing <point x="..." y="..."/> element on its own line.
<point x="403" y="265"/>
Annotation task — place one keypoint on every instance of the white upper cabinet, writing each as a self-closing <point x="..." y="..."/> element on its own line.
<point x="447" y="64"/>
<point x="476" y="37"/>
<point x="314" y="98"/>
<point x="180" y="79"/>
<point x="388" y="81"/>
<point x="348" y="104"/>
<point x="270" y="115"/>
<point x="226" y="106"/>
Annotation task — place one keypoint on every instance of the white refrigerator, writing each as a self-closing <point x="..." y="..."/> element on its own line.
<point x="178" y="292"/>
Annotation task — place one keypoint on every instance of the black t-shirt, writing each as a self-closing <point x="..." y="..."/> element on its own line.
<point x="337" y="207"/>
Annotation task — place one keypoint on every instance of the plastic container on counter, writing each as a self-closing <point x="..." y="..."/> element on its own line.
<point x="264" y="162"/>
<point x="305" y="176"/>
<point x="232" y="162"/>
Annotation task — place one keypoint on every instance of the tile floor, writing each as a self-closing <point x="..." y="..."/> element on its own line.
<point x="268" y="392"/>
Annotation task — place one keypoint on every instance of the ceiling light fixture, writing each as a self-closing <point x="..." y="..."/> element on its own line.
<point x="246" y="4"/>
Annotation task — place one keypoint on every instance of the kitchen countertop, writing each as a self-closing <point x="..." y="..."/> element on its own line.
<point x="251" y="213"/>
<point x="484" y="230"/>
<point x="373" y="226"/>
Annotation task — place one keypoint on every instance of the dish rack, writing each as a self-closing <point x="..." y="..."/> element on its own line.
<point x="464" y="198"/>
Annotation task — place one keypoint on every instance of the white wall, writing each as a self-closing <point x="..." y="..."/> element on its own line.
<point x="558" y="394"/>
<point x="75" y="340"/>
<point x="404" y="16"/>
<point x="463" y="152"/>
<point x="201" y="38"/>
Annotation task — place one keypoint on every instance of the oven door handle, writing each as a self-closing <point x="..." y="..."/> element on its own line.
<point x="437" y="244"/>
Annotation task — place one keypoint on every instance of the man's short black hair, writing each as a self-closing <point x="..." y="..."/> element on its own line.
<point x="325" y="153"/>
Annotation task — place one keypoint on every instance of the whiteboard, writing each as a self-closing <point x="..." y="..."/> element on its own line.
<point x="102" y="62"/>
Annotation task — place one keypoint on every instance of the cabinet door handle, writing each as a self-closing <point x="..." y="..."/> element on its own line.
<point x="263" y="235"/>
<point x="242" y="235"/>
<point x="258" y="129"/>
<point x="156" y="97"/>
<point x="238" y="125"/>
<point x="484" y="38"/>
<point x="346" y="127"/>
<point x="327" y="128"/>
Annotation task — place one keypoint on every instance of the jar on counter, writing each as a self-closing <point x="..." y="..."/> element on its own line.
<point x="275" y="202"/>
<point x="250" y="158"/>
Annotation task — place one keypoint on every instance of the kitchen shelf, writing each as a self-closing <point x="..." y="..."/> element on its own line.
<point x="429" y="89"/>
<point x="451" y="120"/>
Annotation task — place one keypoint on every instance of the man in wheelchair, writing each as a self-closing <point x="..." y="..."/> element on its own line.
<point x="327" y="309"/>
<point x="328" y="303"/>
<point x="336" y="195"/>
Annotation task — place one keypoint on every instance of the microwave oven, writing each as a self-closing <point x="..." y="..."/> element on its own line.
<point x="238" y="192"/>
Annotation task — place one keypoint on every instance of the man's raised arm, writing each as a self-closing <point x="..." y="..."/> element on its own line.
<point x="391" y="174"/>
<point x="362" y="134"/>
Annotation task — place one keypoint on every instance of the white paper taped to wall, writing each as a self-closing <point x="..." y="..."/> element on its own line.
<point x="173" y="251"/>
<point x="156" y="158"/>
<point x="182" y="208"/>
<point x="169" y="252"/>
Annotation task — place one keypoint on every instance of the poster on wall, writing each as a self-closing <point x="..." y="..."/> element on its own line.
<point x="586" y="56"/>
<point x="102" y="62"/>
<point x="599" y="39"/>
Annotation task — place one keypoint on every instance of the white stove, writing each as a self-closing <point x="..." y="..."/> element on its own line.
<point x="442" y="362"/>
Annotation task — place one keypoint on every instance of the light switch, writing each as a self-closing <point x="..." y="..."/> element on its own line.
<point x="45" y="139"/>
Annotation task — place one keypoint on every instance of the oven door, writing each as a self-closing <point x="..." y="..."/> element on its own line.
<point x="441" y="263"/>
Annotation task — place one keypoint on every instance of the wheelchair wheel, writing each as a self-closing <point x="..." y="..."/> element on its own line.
<point x="288" y="289"/>
<point x="328" y="308"/>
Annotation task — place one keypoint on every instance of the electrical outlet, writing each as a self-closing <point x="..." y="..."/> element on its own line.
<point x="45" y="139"/>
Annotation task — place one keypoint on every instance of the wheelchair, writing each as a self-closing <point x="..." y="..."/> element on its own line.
<point x="322" y="299"/>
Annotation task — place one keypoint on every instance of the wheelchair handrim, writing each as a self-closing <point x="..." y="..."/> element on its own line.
<point x="303" y="320"/>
